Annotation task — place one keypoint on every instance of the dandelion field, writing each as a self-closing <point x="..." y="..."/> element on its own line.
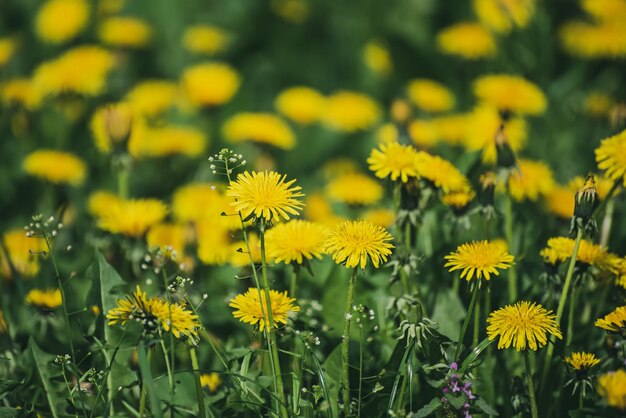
<point x="322" y="208"/>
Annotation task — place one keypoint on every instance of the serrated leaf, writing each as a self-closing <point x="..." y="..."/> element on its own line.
<point x="148" y="381"/>
<point x="456" y="402"/>
<point x="485" y="407"/>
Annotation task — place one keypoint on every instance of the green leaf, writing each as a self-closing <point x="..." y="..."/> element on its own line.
<point x="485" y="407"/>
<point x="42" y="362"/>
<point x="148" y="381"/>
<point x="429" y="408"/>
<point x="448" y="313"/>
<point x="332" y="373"/>
<point x="8" y="385"/>
<point x="456" y="402"/>
<point x="245" y="365"/>
<point x="10" y="412"/>
<point x="474" y="354"/>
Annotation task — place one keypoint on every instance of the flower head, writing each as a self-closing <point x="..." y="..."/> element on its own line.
<point x="265" y="195"/>
<point x="263" y="128"/>
<point x="356" y="242"/>
<point x="430" y="95"/>
<point x="215" y="246"/>
<point x="56" y="167"/>
<point x="100" y="201"/>
<point x="614" y="321"/>
<point x="126" y="32"/>
<point x="295" y="241"/>
<point x="152" y="97"/>
<point x="612" y="387"/>
<point x="441" y="173"/>
<point x="205" y="39"/>
<point x="560" y="249"/>
<point x="20" y="91"/>
<point x="467" y="40"/>
<point x="348" y="111"/>
<point x="204" y="201"/>
<point x="132" y="217"/>
<point x="303" y="105"/>
<point x="210" y="381"/>
<point x="58" y="21"/>
<point x="44" y="299"/>
<point x="355" y="189"/>
<point x="510" y="93"/>
<point x="169" y="238"/>
<point x="524" y="325"/>
<point x="7" y="49"/>
<point x="594" y="40"/>
<point x="168" y="140"/>
<point x="393" y="160"/>
<point x="112" y="125"/>
<point x="377" y="57"/>
<point x="478" y="259"/>
<point x="532" y="180"/>
<point x="611" y="157"/>
<point x="503" y="15"/>
<point x="210" y="84"/>
<point x="249" y="310"/>
<point x="582" y="361"/>
<point x="21" y="253"/>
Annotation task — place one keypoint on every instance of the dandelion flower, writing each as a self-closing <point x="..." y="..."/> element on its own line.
<point x="56" y="167"/>
<point x="265" y="195"/>
<point x="204" y="201"/>
<point x="442" y="173"/>
<point x="7" y="49"/>
<point x="302" y="105"/>
<point x="502" y="15"/>
<point x="598" y="104"/>
<point x="100" y="201"/>
<point x="612" y="387"/>
<point x="205" y="39"/>
<point x="169" y="140"/>
<point x="467" y="40"/>
<point x="210" y="381"/>
<point x="532" y="180"/>
<point x="249" y="310"/>
<point x="169" y="238"/>
<point x="318" y="209"/>
<point x="594" y="41"/>
<point x="349" y="112"/>
<point x="44" y="299"/>
<point x="382" y="217"/>
<point x="393" y="160"/>
<point x="581" y="361"/>
<point x="377" y="58"/>
<point x="560" y="202"/>
<point x="20" y="91"/>
<point x="479" y="259"/>
<point x="423" y="133"/>
<point x="112" y="125"/>
<point x="353" y="243"/>
<point x="458" y="199"/>
<point x="510" y="93"/>
<point x="152" y="97"/>
<point x="340" y="166"/>
<point x="238" y="251"/>
<point x="614" y="321"/>
<point x="560" y="249"/>
<point x="132" y="217"/>
<point x="355" y="189"/>
<point x="210" y="84"/>
<point x="605" y="10"/>
<point x="611" y="157"/>
<point x="21" y="252"/>
<point x="295" y="241"/>
<point x="125" y="32"/>
<point x="451" y="128"/>
<point x="214" y="242"/>
<point x="430" y="95"/>
<point x="263" y="128"/>
<point x="523" y="325"/>
<point x="58" y="21"/>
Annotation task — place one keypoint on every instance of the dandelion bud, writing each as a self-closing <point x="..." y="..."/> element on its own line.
<point x="505" y="154"/>
<point x="586" y="199"/>
<point x="117" y="122"/>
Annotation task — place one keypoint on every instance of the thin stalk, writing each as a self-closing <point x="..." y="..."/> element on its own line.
<point x="122" y="181"/>
<point x="457" y="352"/>
<point x="360" y="371"/>
<point x="196" y="374"/>
<point x="293" y="286"/>
<point x="508" y="218"/>
<point x="345" y="344"/>
<point x="580" y="399"/>
<point x="476" y="322"/>
<point x="144" y="389"/>
<point x="531" y="386"/>
<point x="570" y="319"/>
<point x="607" y="222"/>
<point x="170" y="364"/>
<point x="170" y="376"/>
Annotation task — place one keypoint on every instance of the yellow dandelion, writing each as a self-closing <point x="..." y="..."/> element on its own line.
<point x="510" y="93"/>
<point x="502" y="15"/>
<point x="603" y="185"/>
<point x="238" y="251"/>
<point x="132" y="217"/>
<point x="169" y="140"/>
<point x="249" y="310"/>
<point x="153" y="313"/>
<point x="210" y="381"/>
<point x="318" y="209"/>
<point x="204" y="201"/>
<point x="598" y="104"/>
<point x="214" y="242"/>
<point x="451" y="128"/>
<point x="355" y="189"/>
<point x="81" y="70"/>
<point x="458" y="199"/>
<point x="112" y="125"/>
<point x="56" y="167"/>
<point x="263" y="128"/>
<point x="532" y="180"/>
<point x="295" y="241"/>
<point x="210" y="84"/>
<point x="265" y="195"/>
<point x="170" y="238"/>
<point x="4" y="327"/>
<point x="479" y="259"/>
<point x="467" y="40"/>
<point x="423" y="133"/>
<point x="99" y="202"/>
<point x="302" y="105"/>
<point x="611" y="157"/>
<point x="387" y="133"/>
<point x="340" y="166"/>
<point x="59" y="21"/>
<point x="605" y="10"/>
<point x="7" y="49"/>
<point x="353" y="243"/>
<point x="523" y="325"/>
<point x="592" y="40"/>
<point x="22" y="92"/>
<point x="560" y="202"/>
<point x="581" y="361"/>
<point x="377" y="58"/>
<point x="430" y="96"/>
<point x="441" y="173"/>
<point x="560" y="249"/>
<point x="21" y="254"/>
<point x="152" y="97"/>
<point x="44" y="299"/>
<point x="394" y="161"/>
<point x="205" y="39"/>
<point x="612" y="387"/>
<point x="614" y="321"/>
<point x="349" y="112"/>
<point x="382" y="217"/>
<point x="125" y="32"/>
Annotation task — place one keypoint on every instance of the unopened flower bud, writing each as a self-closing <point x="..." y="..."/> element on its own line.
<point x="117" y="122"/>
<point x="586" y="199"/>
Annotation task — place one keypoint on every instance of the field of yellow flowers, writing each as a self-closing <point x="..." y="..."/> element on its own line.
<point x="312" y="208"/>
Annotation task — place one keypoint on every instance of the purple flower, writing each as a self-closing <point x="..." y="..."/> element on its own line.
<point x="455" y="387"/>
<point x="454" y="366"/>
<point x="466" y="414"/>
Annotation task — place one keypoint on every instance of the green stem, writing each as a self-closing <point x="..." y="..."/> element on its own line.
<point x="476" y="322"/>
<point x="196" y="374"/>
<point x="607" y="222"/>
<point x="509" y="239"/>
<point x="360" y="371"/>
<point x="570" y="320"/>
<point x="170" y="376"/>
<point x="293" y="287"/>
<point x="531" y="386"/>
<point x="144" y="390"/>
<point x="466" y="321"/>
<point x="122" y="181"/>
<point x="580" y="399"/>
<point x="345" y="344"/>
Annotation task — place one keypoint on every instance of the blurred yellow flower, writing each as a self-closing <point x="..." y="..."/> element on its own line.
<point x="339" y="166"/>
<point x="532" y="180"/>
<point x="394" y="161"/>
<point x="611" y="157"/>
<point x="458" y="199"/>
<point x="215" y="245"/>
<point x="478" y="259"/>
<point x="451" y="128"/>
<point x="249" y="310"/>
<point x="210" y="84"/>
<point x="430" y="95"/>
<point x="560" y="249"/>
<point x="169" y="140"/>
<point x="293" y="11"/>
<point x="423" y="133"/>
<point x="112" y="124"/>
<point x="239" y="256"/>
<point x="21" y="254"/>
<point x="353" y="243"/>
<point x="210" y="381"/>
<point x="560" y="202"/>
<point x="605" y="10"/>
<point x="169" y="238"/>
<point x="44" y="299"/>
<point x="203" y="201"/>
<point x="468" y="40"/>
<point x="598" y="104"/>
<point x="152" y="97"/>
<point x="263" y="128"/>
<point x="590" y="40"/>
<point x="132" y="217"/>
<point x="295" y="241"/>
<point x="7" y="49"/>
<point x="56" y="167"/>
<point x="205" y="39"/>
<point x="614" y="321"/>
<point x="100" y="201"/>
<point x="4" y="327"/>
<point x="387" y="133"/>
<point x="382" y="217"/>
<point x="20" y="91"/>
<point x="107" y="7"/>
<point x="318" y="209"/>
<point x="348" y="111"/>
<point x="510" y="93"/>
<point x="580" y="361"/>
<point x="302" y="105"/>
<point x="441" y="172"/>
<point x="58" y="21"/>
<point x="503" y="15"/>
<point x="612" y="388"/>
<point x="377" y="58"/>
<point x="355" y="189"/>
<point x="125" y="32"/>
<point x="81" y="70"/>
